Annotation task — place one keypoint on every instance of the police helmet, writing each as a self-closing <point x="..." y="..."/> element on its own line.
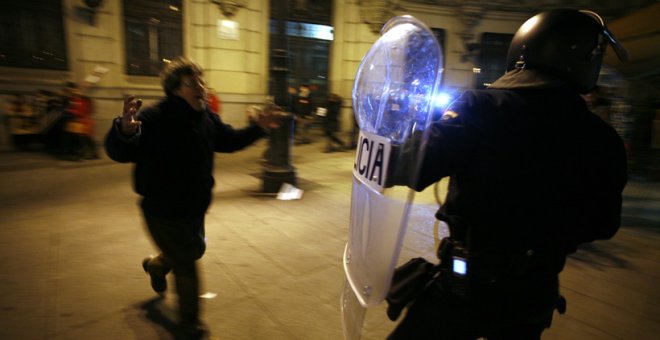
<point x="564" y="42"/>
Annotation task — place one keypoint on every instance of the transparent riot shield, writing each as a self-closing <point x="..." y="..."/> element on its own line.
<point x="392" y="101"/>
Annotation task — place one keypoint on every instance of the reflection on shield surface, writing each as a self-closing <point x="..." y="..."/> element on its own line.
<point x="392" y="100"/>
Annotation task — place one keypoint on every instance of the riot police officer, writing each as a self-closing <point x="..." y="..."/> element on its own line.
<point x="533" y="174"/>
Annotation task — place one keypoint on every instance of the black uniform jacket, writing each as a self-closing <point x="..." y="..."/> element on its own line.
<point x="530" y="166"/>
<point x="174" y="153"/>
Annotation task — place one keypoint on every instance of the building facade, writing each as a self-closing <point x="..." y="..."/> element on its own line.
<point x="232" y="41"/>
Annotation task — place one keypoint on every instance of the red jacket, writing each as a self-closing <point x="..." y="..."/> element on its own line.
<point x="80" y="112"/>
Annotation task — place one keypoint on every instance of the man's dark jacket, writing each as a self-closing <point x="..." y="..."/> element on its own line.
<point x="174" y="155"/>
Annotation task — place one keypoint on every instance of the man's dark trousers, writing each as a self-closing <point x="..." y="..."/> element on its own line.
<point x="182" y="243"/>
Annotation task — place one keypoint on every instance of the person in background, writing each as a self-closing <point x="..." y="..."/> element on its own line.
<point x="354" y="133"/>
<point x="87" y="144"/>
<point x="19" y="116"/>
<point x="172" y="145"/>
<point x="318" y="98"/>
<point x="213" y="101"/>
<point x="40" y="104"/>
<point x="79" y="127"/>
<point x="65" y="138"/>
<point x="331" y="124"/>
<point x="292" y="93"/>
<point x="50" y="112"/>
<point x="302" y="108"/>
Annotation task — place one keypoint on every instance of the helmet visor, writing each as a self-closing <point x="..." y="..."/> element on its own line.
<point x="620" y="51"/>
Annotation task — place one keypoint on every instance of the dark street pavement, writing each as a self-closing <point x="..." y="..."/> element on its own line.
<point x="72" y="241"/>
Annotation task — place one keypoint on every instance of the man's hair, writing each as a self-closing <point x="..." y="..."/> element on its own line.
<point x="174" y="70"/>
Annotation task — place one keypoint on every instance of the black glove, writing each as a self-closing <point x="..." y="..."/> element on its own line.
<point x="408" y="281"/>
<point x="402" y="158"/>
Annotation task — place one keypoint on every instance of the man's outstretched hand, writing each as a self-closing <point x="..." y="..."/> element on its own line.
<point x="269" y="118"/>
<point x="129" y="122"/>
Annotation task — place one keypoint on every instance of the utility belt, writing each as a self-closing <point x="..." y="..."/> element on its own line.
<point x="469" y="275"/>
<point x="463" y="269"/>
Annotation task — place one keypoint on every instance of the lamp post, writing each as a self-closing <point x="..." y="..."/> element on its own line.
<point x="277" y="168"/>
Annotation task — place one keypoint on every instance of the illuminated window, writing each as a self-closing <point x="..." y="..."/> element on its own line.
<point x="308" y="48"/>
<point x="32" y="35"/>
<point x="153" y="30"/>
<point x="305" y="30"/>
<point x="307" y="36"/>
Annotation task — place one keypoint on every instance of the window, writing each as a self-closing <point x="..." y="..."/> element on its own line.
<point x="491" y="62"/>
<point x="308" y="51"/>
<point x="153" y="34"/>
<point x="32" y="35"/>
<point x="304" y="47"/>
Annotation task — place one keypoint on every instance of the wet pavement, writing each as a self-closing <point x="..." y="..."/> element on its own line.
<point x="72" y="241"/>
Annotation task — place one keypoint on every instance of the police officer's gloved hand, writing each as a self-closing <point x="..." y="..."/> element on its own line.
<point x="408" y="282"/>
<point x="403" y="162"/>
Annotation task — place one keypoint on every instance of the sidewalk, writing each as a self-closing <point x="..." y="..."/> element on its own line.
<point x="11" y="161"/>
<point x="72" y="239"/>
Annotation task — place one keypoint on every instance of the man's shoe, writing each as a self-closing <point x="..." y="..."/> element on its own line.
<point x="158" y="282"/>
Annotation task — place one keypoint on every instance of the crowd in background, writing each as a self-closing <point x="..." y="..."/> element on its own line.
<point x="314" y="108"/>
<point x="59" y="124"/>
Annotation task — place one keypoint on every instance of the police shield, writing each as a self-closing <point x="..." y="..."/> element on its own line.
<point x="392" y="100"/>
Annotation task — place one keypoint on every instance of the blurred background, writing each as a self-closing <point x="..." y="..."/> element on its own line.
<point x="70" y="241"/>
<point x="254" y="48"/>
